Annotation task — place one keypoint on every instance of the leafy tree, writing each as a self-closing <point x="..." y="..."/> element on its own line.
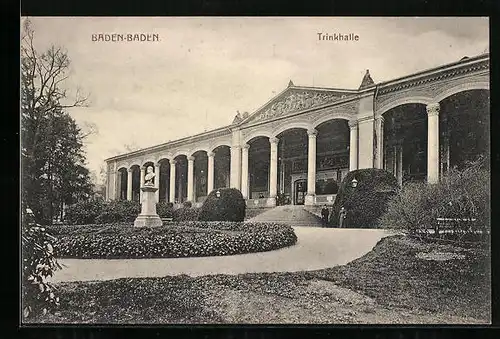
<point x="38" y="264"/>
<point x="53" y="159"/>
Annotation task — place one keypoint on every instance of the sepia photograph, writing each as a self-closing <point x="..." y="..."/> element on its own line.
<point x="255" y="170"/>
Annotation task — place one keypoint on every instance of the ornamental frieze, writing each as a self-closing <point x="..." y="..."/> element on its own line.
<point x="297" y="101"/>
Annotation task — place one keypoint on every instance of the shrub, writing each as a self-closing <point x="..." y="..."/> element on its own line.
<point x="164" y="210"/>
<point x="460" y="194"/>
<point x="186" y="214"/>
<point x="230" y="206"/>
<point x="186" y="239"/>
<point x="117" y="211"/>
<point x="365" y="203"/>
<point x="84" y="212"/>
<point x="38" y="263"/>
<point x="187" y="204"/>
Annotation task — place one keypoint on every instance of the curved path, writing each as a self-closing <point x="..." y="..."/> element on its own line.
<point x="316" y="248"/>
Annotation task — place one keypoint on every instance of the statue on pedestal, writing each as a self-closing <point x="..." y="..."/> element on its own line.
<point x="148" y="216"/>
<point x="150" y="175"/>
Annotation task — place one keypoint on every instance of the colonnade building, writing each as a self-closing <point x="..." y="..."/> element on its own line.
<point x="303" y="142"/>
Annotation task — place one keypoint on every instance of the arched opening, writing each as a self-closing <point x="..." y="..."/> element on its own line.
<point x="405" y="142"/>
<point x="200" y="175"/>
<point x="292" y="166"/>
<point x="181" y="172"/>
<point x="222" y="166"/>
<point x="122" y="185"/>
<point x="464" y="126"/>
<point x="136" y="179"/>
<point x="164" y="178"/>
<point x="332" y="158"/>
<point x="258" y="167"/>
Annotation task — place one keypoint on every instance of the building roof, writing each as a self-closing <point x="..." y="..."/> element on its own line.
<point x="367" y="84"/>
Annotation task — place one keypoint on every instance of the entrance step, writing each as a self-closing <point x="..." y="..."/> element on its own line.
<point x="290" y="215"/>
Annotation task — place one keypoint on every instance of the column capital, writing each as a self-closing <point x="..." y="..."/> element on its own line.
<point x="246" y="146"/>
<point x="157" y="166"/>
<point x="353" y="124"/>
<point x="210" y="154"/>
<point x="273" y="140"/>
<point x="312" y="132"/>
<point x="190" y="158"/>
<point x="173" y="162"/>
<point x="381" y="118"/>
<point x="143" y="168"/>
<point x="433" y="109"/>
<point x="130" y="170"/>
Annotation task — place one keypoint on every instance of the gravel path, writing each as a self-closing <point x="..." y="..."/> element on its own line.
<point x="316" y="248"/>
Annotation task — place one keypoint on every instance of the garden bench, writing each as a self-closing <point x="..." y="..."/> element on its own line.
<point x="167" y="219"/>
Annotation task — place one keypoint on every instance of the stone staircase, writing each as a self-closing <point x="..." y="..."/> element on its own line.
<point x="290" y="215"/>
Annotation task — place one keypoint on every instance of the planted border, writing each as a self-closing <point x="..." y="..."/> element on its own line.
<point x="173" y="240"/>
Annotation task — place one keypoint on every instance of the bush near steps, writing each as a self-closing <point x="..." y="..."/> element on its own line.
<point x="173" y="240"/>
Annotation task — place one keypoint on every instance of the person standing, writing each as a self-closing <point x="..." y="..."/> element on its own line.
<point x="342" y="215"/>
<point x="324" y="215"/>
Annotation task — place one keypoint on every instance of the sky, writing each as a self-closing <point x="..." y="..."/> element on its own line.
<point x="202" y="70"/>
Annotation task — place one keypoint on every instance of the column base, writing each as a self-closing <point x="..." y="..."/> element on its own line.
<point x="147" y="221"/>
<point x="310" y="200"/>
<point x="271" y="202"/>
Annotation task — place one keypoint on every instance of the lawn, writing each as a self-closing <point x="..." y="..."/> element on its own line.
<point x="390" y="284"/>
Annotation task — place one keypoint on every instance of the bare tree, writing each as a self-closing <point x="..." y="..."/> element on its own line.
<point x="51" y="143"/>
<point x="42" y="77"/>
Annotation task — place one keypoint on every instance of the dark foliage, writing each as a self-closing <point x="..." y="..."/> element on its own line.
<point x="462" y="196"/>
<point x="116" y="211"/>
<point x="230" y="206"/>
<point x="84" y="212"/>
<point x="164" y="210"/>
<point x="170" y="241"/>
<point x="365" y="203"/>
<point x="186" y="214"/>
<point x="38" y="263"/>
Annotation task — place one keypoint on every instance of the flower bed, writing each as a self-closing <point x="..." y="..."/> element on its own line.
<point x="173" y="240"/>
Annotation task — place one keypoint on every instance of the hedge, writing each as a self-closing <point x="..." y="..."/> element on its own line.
<point x="173" y="240"/>
<point x="460" y="195"/>
<point x="84" y="212"/>
<point x="367" y="202"/>
<point x="230" y="206"/>
<point x="186" y="214"/>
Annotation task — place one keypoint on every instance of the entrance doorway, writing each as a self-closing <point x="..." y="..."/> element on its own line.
<point x="300" y="191"/>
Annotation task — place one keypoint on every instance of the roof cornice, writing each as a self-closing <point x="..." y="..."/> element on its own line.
<point x="465" y="66"/>
<point x="189" y="139"/>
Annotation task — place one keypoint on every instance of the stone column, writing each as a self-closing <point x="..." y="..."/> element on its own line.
<point x="130" y="172"/>
<point x="157" y="182"/>
<point x="399" y="165"/>
<point x="353" y="146"/>
<point x="273" y="171"/>
<point x="190" y="179"/>
<point x="433" y="143"/>
<point x="244" y="171"/>
<point x="171" y="197"/>
<point x="311" y="168"/>
<point x="167" y="187"/>
<point x="143" y="174"/>
<point x="210" y="173"/>
<point x="118" y="185"/>
<point x="380" y="142"/>
<point x="234" y="180"/>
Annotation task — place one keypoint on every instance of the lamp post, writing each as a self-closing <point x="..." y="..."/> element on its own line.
<point x="354" y="183"/>
<point x="217" y="194"/>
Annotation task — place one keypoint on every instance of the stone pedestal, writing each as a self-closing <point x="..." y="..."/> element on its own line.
<point x="310" y="200"/>
<point x="148" y="216"/>
<point x="271" y="202"/>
